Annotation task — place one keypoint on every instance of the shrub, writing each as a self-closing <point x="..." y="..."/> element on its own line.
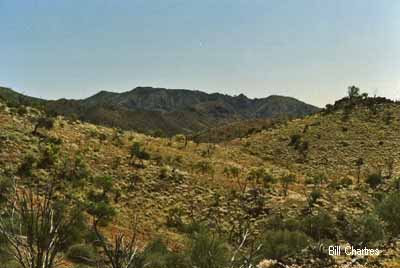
<point x="204" y="166"/>
<point x="49" y="156"/>
<point x="286" y="181"/>
<point x="280" y="244"/>
<point x="43" y="122"/>
<point x="389" y="211"/>
<point x="207" y="251"/>
<point x="26" y="167"/>
<point x="157" y="255"/>
<point x="105" y="183"/>
<point x="374" y="180"/>
<point x="75" y="170"/>
<point x="80" y="253"/>
<point x="268" y="179"/>
<point x="103" y="211"/>
<point x="369" y="229"/>
<point x="277" y="222"/>
<point x="320" y="226"/>
<point x="139" y="152"/>
<point x="314" y="196"/>
<point x="295" y="140"/>
<point x="345" y="182"/>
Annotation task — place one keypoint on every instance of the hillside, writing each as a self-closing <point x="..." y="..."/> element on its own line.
<point x="163" y="111"/>
<point x="267" y="181"/>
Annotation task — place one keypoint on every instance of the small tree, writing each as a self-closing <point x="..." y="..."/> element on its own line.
<point x="353" y="92"/>
<point x="43" y="122"/>
<point x="286" y="181"/>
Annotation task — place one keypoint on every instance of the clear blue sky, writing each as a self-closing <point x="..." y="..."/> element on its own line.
<point x="308" y="49"/>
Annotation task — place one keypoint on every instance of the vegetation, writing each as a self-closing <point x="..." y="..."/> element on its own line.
<point x="83" y="195"/>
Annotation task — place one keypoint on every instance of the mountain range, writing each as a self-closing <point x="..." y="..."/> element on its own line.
<point x="167" y="111"/>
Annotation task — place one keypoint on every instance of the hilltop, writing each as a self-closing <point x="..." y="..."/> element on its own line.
<point x="163" y="111"/>
<point x="299" y="177"/>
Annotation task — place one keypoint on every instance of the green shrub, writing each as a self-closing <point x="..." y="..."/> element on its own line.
<point x="286" y="181"/>
<point x="103" y="211"/>
<point x="280" y="244"/>
<point x="105" y="183"/>
<point x="370" y="230"/>
<point x="320" y="226"/>
<point x="277" y="222"/>
<point x="208" y="251"/>
<point x="389" y="211"/>
<point x="313" y="197"/>
<point x="138" y="152"/>
<point x="27" y="165"/>
<point x="295" y="140"/>
<point x="49" y="156"/>
<point x="81" y="253"/>
<point x="374" y="180"/>
<point x="43" y="122"/>
<point x="345" y="182"/>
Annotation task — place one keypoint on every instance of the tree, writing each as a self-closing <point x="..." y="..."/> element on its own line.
<point x="353" y="92"/>
<point x="43" y="122"/>
<point x="36" y="226"/>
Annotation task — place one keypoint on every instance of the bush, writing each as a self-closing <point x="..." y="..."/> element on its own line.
<point x="280" y="244"/>
<point x="27" y="165"/>
<point x="139" y="152"/>
<point x="103" y="211"/>
<point x="345" y="182"/>
<point x="277" y="222"/>
<point x="286" y="181"/>
<point x="370" y="230"/>
<point x="314" y="196"/>
<point x="389" y="211"/>
<point x="207" y="251"/>
<point x="374" y="180"/>
<point x="157" y="255"/>
<point x="81" y="253"/>
<point x="295" y="140"/>
<point x="320" y="226"/>
<point x="49" y="156"/>
<point x="43" y="122"/>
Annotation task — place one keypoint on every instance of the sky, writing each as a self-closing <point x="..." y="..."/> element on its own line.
<point x="308" y="49"/>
